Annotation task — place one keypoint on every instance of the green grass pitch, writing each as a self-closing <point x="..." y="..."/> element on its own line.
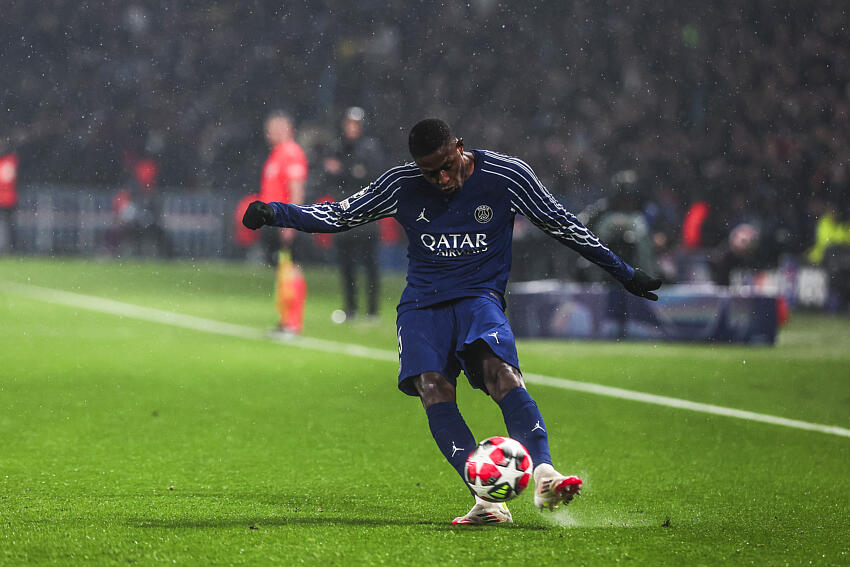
<point x="125" y="441"/>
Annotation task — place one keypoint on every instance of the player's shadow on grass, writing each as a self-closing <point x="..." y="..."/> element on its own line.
<point x="254" y="522"/>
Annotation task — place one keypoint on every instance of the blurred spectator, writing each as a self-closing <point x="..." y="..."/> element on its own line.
<point x="8" y="198"/>
<point x="694" y="226"/>
<point x="832" y="251"/>
<point x="738" y="250"/>
<point x="623" y="225"/>
<point x="139" y="227"/>
<point x="661" y="89"/>
<point x="354" y="162"/>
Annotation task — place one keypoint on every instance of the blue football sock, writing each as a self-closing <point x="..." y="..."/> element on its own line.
<point x="525" y="424"/>
<point x="451" y="433"/>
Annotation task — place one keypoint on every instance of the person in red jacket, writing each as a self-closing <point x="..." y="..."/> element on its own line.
<point x="283" y="179"/>
<point x="284" y="174"/>
<point x="8" y="199"/>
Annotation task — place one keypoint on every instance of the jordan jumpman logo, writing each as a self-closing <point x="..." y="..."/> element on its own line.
<point x="455" y="449"/>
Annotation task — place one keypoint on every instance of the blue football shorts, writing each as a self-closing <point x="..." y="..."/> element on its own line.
<point x="434" y="339"/>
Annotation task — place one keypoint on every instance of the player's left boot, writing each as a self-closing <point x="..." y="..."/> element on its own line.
<point x="551" y="488"/>
<point x="484" y="513"/>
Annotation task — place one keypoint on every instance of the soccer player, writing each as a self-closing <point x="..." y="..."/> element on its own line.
<point x="457" y="208"/>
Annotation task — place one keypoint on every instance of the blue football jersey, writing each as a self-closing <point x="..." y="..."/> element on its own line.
<point x="458" y="245"/>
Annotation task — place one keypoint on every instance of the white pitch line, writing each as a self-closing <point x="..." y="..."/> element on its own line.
<point x="121" y="309"/>
<point x="161" y="316"/>
<point x="612" y="392"/>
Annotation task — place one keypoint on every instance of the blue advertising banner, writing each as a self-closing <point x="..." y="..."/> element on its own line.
<point x="682" y="313"/>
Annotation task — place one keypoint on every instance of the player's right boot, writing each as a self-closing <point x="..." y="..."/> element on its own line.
<point x="551" y="488"/>
<point x="485" y="513"/>
<point x="282" y="333"/>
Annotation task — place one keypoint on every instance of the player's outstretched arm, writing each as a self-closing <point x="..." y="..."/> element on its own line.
<point x="642" y="285"/>
<point x="368" y="205"/>
<point x="258" y="214"/>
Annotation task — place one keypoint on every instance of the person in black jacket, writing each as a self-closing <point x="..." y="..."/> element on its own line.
<point x="353" y="162"/>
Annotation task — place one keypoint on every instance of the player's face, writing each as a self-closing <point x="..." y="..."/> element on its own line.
<point x="443" y="168"/>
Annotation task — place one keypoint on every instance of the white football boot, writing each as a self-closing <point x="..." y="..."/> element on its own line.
<point x="551" y="488"/>
<point x="484" y="513"/>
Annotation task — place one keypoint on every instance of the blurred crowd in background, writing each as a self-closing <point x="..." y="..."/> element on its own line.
<point x="717" y="126"/>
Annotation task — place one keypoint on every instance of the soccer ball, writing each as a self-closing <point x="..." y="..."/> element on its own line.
<point x="499" y="469"/>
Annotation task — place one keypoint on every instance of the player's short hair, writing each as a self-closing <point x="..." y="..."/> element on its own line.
<point x="428" y="136"/>
<point x="279" y="113"/>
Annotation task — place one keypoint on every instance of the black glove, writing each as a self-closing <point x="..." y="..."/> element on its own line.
<point x="257" y="214"/>
<point x="642" y="285"/>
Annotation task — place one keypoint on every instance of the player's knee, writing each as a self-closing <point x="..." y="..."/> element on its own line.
<point x="434" y="388"/>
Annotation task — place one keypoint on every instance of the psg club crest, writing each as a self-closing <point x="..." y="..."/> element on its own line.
<point x="483" y="214"/>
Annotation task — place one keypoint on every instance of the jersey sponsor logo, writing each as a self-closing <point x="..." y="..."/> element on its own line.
<point x="422" y="216"/>
<point x="456" y="244"/>
<point x="483" y="214"/>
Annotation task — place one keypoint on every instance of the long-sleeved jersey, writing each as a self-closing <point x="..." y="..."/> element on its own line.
<point x="458" y="245"/>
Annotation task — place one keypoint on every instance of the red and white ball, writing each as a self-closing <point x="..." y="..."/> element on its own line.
<point x="499" y="469"/>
